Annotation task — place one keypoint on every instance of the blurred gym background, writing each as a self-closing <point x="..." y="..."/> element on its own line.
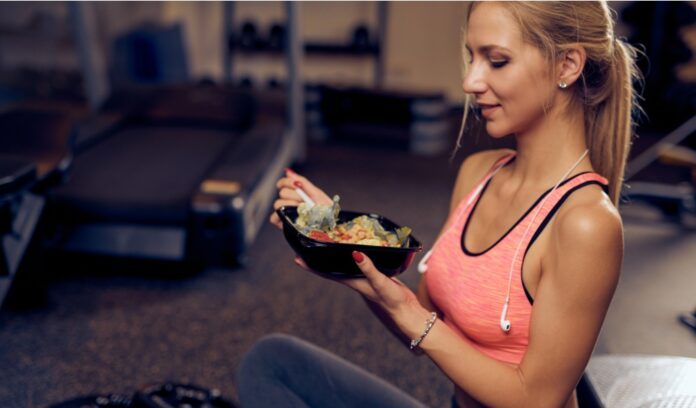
<point x="140" y="144"/>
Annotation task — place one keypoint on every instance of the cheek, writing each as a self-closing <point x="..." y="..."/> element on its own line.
<point x="523" y="102"/>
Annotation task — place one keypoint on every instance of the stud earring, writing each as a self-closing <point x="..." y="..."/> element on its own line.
<point x="562" y="85"/>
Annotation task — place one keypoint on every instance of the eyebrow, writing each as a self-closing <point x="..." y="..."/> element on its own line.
<point x="487" y="48"/>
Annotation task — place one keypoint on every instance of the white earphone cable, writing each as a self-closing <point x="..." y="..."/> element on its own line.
<point x="505" y="325"/>
<point x="524" y="235"/>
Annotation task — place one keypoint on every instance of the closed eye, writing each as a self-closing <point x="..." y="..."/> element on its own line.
<point x="498" y="63"/>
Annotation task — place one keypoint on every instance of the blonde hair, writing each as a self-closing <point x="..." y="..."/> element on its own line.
<point x="605" y="90"/>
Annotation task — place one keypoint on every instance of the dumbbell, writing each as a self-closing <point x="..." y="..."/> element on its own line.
<point x="248" y="37"/>
<point x="246" y="82"/>
<point x="277" y="37"/>
<point x="361" y="38"/>
<point x="274" y="83"/>
<point x="97" y="401"/>
<point x="179" y="395"/>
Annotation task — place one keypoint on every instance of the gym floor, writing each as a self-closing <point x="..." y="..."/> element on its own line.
<point x="102" y="329"/>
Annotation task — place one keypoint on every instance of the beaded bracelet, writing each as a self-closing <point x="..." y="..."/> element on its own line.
<point x="428" y="325"/>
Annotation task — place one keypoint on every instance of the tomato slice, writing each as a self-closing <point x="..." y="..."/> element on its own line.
<point x="320" y="236"/>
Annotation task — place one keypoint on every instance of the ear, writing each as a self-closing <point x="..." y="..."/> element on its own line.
<point x="570" y="65"/>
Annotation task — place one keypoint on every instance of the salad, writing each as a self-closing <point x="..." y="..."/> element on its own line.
<point x="319" y="222"/>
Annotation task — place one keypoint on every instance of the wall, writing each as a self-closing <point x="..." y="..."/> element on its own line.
<point x="422" y="47"/>
<point x="421" y="52"/>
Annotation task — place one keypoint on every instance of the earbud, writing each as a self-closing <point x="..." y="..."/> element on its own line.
<point x="504" y="323"/>
<point x="423" y="264"/>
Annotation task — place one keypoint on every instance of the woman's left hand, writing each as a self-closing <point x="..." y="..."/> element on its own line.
<point x="391" y="294"/>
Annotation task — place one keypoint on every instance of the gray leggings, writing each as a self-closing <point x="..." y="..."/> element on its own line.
<point x="284" y="371"/>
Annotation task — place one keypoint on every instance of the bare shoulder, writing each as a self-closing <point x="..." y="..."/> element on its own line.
<point x="588" y="231"/>
<point x="588" y="213"/>
<point x="472" y="169"/>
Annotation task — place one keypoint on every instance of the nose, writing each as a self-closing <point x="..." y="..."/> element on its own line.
<point x="474" y="80"/>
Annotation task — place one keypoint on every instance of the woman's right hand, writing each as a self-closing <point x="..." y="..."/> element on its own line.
<point x="287" y="196"/>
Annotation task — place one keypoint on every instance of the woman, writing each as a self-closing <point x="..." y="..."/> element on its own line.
<point x="521" y="276"/>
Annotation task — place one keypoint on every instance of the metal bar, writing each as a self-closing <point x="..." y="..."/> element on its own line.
<point x="295" y="53"/>
<point x="382" y="14"/>
<point x="227" y="35"/>
<point x="651" y="154"/>
<point x="91" y="58"/>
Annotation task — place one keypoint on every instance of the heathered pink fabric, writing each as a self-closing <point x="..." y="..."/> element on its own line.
<point x="470" y="290"/>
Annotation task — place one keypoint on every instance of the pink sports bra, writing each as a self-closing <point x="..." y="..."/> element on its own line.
<point x="470" y="288"/>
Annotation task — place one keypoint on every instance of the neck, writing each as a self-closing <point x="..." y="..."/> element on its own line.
<point x="545" y="152"/>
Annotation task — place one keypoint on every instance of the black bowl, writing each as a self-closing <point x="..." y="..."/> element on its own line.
<point x="335" y="259"/>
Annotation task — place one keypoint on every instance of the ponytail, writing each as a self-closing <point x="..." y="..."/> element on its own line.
<point x="609" y="123"/>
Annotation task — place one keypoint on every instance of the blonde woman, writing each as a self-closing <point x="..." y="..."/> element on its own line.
<point x="519" y="281"/>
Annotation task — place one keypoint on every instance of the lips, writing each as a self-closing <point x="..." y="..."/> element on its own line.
<point x="488" y="109"/>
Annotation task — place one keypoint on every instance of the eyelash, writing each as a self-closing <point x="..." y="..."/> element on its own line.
<point x="494" y="63"/>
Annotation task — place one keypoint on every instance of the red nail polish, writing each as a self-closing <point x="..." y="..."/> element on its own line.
<point x="358" y="256"/>
<point x="289" y="170"/>
<point x="298" y="184"/>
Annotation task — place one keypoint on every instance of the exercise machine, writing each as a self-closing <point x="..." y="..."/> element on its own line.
<point x="180" y="173"/>
<point x="186" y="175"/>
<point x="642" y="380"/>
<point x="674" y="201"/>
<point x="36" y="140"/>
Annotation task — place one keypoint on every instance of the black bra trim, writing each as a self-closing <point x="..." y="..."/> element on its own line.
<point x="478" y="199"/>
<point x="547" y="219"/>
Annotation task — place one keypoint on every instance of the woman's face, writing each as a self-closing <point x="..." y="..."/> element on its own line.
<point x="508" y="78"/>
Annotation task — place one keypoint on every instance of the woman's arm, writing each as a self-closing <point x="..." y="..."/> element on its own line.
<point x="570" y="304"/>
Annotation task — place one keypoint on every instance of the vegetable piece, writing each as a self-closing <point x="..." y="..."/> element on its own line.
<point x="320" y="216"/>
<point x="320" y="236"/>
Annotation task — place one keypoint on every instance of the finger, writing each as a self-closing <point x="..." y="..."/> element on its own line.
<point x="275" y="220"/>
<point x="315" y="193"/>
<point x="312" y="191"/>
<point x="294" y="180"/>
<point x="299" y="262"/>
<point x="285" y="182"/>
<point x="361" y="286"/>
<point x="294" y="176"/>
<point x="376" y="278"/>
<point x="399" y="282"/>
<point x="290" y="172"/>
<point x="290" y="194"/>
<point x="281" y="202"/>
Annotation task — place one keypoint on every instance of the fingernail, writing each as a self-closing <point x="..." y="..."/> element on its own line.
<point x="358" y="256"/>
<point x="297" y="184"/>
<point x="289" y="170"/>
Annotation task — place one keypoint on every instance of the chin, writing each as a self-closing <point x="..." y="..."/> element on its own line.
<point x="495" y="131"/>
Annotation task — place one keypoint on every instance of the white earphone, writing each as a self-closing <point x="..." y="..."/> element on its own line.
<point x="423" y="264"/>
<point x="505" y="324"/>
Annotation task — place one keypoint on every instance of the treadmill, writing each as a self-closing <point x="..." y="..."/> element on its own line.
<point x="180" y="173"/>
<point x="19" y="214"/>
